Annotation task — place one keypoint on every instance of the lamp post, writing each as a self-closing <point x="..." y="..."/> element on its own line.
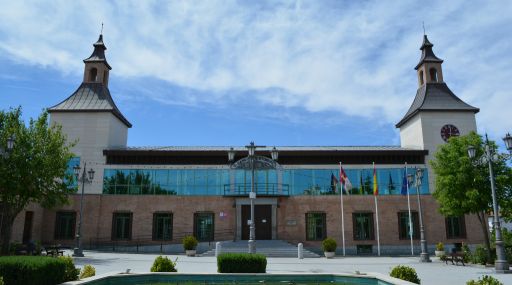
<point x="77" y="251"/>
<point x="4" y="153"/>
<point x="253" y="162"/>
<point x="501" y="265"/>
<point x="417" y="179"/>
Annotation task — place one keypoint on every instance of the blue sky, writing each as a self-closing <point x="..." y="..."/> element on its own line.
<point x="276" y="72"/>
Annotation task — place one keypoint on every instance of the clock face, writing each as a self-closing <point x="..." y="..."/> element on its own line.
<point x="448" y="131"/>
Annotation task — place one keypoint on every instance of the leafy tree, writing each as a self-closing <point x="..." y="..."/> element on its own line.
<point x="34" y="171"/>
<point x="463" y="188"/>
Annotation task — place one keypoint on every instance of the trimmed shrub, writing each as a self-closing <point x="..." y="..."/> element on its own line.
<point x="1" y="280"/>
<point x="405" y="273"/>
<point x="71" y="271"/>
<point x="164" y="264"/>
<point x="329" y="245"/>
<point x="241" y="263"/>
<point x="485" y="280"/>
<point x="189" y="243"/>
<point x="32" y="270"/>
<point x="87" y="271"/>
<point x="467" y="253"/>
<point x="440" y="246"/>
<point x="480" y="255"/>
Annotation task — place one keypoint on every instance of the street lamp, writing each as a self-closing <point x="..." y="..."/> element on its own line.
<point x="253" y="162"/>
<point x="77" y="251"/>
<point x="10" y="145"/>
<point x="417" y="179"/>
<point x="501" y="264"/>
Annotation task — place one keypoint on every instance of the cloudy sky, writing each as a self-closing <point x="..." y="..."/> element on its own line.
<point x="276" y="72"/>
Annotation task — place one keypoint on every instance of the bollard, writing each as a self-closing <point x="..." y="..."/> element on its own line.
<point x="218" y="248"/>
<point x="300" y="249"/>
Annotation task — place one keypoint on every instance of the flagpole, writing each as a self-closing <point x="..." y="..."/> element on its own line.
<point x="342" y="215"/>
<point x="376" y="209"/>
<point x="409" y="209"/>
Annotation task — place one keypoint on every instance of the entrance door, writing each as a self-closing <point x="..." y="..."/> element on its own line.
<point x="262" y="219"/>
<point x="27" y="228"/>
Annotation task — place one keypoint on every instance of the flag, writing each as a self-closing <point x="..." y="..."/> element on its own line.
<point x="334" y="183"/>
<point x="404" y="184"/>
<point x="346" y="186"/>
<point x="375" y="186"/>
<point x="361" y="190"/>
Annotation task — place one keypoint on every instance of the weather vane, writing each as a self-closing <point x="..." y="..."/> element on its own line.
<point x="101" y="28"/>
<point x="423" y="22"/>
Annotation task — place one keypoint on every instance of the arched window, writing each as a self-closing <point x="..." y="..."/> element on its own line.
<point x="421" y="77"/>
<point x="433" y="74"/>
<point x="93" y="75"/>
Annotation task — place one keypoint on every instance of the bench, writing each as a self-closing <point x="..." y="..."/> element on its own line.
<point x="455" y="256"/>
<point x="54" y="251"/>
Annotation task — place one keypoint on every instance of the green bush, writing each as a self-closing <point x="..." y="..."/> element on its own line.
<point x="32" y="270"/>
<point x="405" y="273"/>
<point x="189" y="243"/>
<point x="440" y="246"/>
<point x="71" y="271"/>
<point x="164" y="264"/>
<point x="485" y="280"/>
<point x="467" y="253"/>
<point x="87" y="271"/>
<point x="329" y="245"/>
<point x="241" y="263"/>
<point x="1" y="280"/>
<point x="480" y="255"/>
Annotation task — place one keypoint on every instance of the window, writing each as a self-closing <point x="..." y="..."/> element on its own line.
<point x="203" y="226"/>
<point x="65" y="225"/>
<point x="363" y="226"/>
<point x="162" y="226"/>
<point x="122" y="226"/>
<point x="433" y="74"/>
<point x="404" y="230"/>
<point x="93" y="75"/>
<point x="421" y="77"/>
<point x="315" y="226"/>
<point x="455" y="227"/>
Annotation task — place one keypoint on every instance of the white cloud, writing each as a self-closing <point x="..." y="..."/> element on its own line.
<point x="350" y="57"/>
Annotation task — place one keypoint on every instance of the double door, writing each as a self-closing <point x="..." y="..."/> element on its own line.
<point x="262" y="219"/>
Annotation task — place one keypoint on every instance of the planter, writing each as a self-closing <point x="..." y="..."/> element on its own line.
<point x="190" y="252"/>
<point x="439" y="253"/>
<point x="329" y="254"/>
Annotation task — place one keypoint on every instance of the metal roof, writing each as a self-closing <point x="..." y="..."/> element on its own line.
<point x="267" y="148"/>
<point x="90" y="97"/>
<point x="427" y="55"/>
<point x="435" y="97"/>
<point x="98" y="55"/>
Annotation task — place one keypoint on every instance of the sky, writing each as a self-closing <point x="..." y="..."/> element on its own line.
<point x="224" y="73"/>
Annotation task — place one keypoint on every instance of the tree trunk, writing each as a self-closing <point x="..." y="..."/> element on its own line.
<point x="483" y="223"/>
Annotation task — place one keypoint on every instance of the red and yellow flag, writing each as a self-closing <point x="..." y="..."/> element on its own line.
<point x="375" y="185"/>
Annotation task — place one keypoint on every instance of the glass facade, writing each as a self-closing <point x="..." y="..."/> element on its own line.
<point x="210" y="182"/>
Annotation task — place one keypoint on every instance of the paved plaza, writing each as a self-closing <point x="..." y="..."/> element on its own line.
<point x="432" y="273"/>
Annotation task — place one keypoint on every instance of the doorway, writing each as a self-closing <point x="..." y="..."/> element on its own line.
<point x="262" y="221"/>
<point x="27" y="228"/>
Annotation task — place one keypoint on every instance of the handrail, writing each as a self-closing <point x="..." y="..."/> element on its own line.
<point x="146" y="240"/>
<point x="263" y="189"/>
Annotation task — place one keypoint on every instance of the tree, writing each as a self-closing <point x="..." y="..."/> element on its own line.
<point x="463" y="188"/>
<point x="34" y="171"/>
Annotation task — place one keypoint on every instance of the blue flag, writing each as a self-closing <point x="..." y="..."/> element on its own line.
<point x="404" y="185"/>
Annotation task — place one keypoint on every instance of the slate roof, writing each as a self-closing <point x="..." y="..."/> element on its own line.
<point x="90" y="97"/>
<point x="98" y="55"/>
<point x="435" y="97"/>
<point x="427" y="54"/>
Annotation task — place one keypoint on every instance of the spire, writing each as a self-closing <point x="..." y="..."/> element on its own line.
<point x="427" y="55"/>
<point x="98" y="55"/>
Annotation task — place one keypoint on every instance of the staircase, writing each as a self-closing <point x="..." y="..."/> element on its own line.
<point x="269" y="248"/>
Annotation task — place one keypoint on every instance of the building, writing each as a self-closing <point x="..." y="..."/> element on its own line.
<point x="154" y="195"/>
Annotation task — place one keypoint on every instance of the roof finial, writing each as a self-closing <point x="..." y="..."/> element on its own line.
<point x="421" y="21"/>
<point x="101" y="33"/>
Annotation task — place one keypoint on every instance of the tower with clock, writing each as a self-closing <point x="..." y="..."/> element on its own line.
<point x="436" y="114"/>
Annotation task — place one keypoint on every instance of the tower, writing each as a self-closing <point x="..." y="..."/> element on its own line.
<point x="436" y="113"/>
<point x="90" y="117"/>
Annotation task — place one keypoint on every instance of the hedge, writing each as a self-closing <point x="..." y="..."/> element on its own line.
<point x="241" y="263"/>
<point x="32" y="270"/>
